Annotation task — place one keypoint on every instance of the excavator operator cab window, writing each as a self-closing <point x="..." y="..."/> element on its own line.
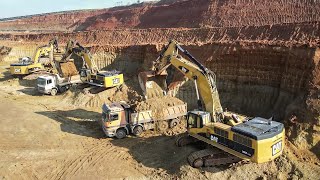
<point x="195" y="120"/>
<point x="84" y="72"/>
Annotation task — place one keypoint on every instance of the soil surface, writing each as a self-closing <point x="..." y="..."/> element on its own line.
<point x="45" y="137"/>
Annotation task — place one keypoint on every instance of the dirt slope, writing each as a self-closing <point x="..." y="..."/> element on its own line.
<point x="173" y="14"/>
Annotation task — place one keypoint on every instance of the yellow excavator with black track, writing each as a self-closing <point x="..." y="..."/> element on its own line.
<point x="90" y="74"/>
<point x="231" y="137"/>
<point x="26" y="65"/>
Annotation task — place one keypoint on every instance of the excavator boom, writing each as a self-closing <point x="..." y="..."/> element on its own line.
<point x="205" y="80"/>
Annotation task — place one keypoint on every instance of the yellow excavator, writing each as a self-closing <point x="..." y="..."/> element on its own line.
<point x="92" y="75"/>
<point x="26" y="65"/>
<point x="229" y="136"/>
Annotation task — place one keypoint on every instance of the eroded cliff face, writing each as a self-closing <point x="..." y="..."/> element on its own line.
<point x="285" y="35"/>
<point x="174" y="14"/>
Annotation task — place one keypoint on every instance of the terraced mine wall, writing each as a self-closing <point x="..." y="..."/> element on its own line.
<point x="259" y="71"/>
<point x="285" y="35"/>
<point x="174" y="14"/>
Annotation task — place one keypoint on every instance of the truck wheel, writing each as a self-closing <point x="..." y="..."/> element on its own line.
<point x="163" y="125"/>
<point x="53" y="92"/>
<point x="137" y="130"/>
<point x="174" y="122"/>
<point x="121" y="133"/>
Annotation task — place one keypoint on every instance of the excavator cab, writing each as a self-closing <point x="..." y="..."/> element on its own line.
<point x="197" y="119"/>
<point x="85" y="74"/>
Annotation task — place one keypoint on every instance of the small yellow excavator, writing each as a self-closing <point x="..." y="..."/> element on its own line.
<point x="26" y="65"/>
<point x="231" y="137"/>
<point x="91" y="74"/>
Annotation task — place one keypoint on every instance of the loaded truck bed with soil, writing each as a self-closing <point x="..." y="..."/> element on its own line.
<point x="119" y="119"/>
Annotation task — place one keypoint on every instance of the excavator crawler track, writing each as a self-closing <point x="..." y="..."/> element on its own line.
<point x="184" y="139"/>
<point x="211" y="157"/>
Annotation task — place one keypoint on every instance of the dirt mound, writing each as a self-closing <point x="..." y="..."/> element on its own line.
<point x="68" y="69"/>
<point x="79" y="97"/>
<point x="157" y="104"/>
<point x="4" y="51"/>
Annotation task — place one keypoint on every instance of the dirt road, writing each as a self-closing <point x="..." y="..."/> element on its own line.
<point x="42" y="137"/>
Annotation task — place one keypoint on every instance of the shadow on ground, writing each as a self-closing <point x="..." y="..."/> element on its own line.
<point x="6" y="75"/>
<point x="79" y="121"/>
<point x="160" y="152"/>
<point x="30" y="91"/>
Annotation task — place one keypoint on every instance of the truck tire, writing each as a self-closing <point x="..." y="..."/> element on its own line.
<point x="121" y="133"/>
<point x="53" y="92"/>
<point x="137" y="130"/>
<point x="162" y="125"/>
<point x="174" y="122"/>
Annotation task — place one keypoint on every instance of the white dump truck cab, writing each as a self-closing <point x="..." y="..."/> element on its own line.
<point x="47" y="84"/>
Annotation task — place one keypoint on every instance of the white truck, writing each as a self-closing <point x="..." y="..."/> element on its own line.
<point x="119" y="119"/>
<point x="53" y="83"/>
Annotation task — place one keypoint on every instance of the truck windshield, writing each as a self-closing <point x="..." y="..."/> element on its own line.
<point x="41" y="81"/>
<point x="110" y="117"/>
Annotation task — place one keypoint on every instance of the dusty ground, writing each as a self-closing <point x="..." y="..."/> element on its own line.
<point x="44" y="137"/>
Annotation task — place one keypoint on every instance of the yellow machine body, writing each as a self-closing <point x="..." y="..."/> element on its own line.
<point x="221" y="136"/>
<point x="24" y="69"/>
<point x="92" y="75"/>
<point x="26" y="65"/>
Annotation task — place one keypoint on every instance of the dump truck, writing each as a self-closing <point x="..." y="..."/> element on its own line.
<point x="119" y="119"/>
<point x="53" y="83"/>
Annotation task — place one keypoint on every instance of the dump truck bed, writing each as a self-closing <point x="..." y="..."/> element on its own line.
<point x="165" y="114"/>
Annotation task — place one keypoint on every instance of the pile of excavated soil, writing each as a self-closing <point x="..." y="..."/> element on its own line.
<point x="157" y="104"/>
<point x="4" y="51"/>
<point x="68" y="69"/>
<point x="77" y="96"/>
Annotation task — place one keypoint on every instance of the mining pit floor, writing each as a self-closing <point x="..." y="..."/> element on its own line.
<point x="45" y="137"/>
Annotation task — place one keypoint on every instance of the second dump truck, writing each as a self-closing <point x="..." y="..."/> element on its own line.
<point x="119" y="119"/>
<point x="53" y="83"/>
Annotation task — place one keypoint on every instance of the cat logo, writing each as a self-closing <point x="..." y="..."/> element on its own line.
<point x="17" y="70"/>
<point x="213" y="138"/>
<point x="276" y="148"/>
<point x="116" y="80"/>
<point x="183" y="69"/>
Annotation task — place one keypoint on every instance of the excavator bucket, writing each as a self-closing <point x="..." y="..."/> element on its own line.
<point x="152" y="84"/>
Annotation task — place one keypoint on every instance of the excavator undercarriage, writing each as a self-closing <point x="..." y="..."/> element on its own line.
<point x="210" y="156"/>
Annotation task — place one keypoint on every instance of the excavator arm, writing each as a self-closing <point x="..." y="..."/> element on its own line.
<point x="85" y="54"/>
<point x="204" y="79"/>
<point x="42" y="51"/>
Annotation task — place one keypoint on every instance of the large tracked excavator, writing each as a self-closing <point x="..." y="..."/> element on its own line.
<point x="27" y="65"/>
<point x="229" y="137"/>
<point x="90" y="74"/>
<point x="47" y="59"/>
